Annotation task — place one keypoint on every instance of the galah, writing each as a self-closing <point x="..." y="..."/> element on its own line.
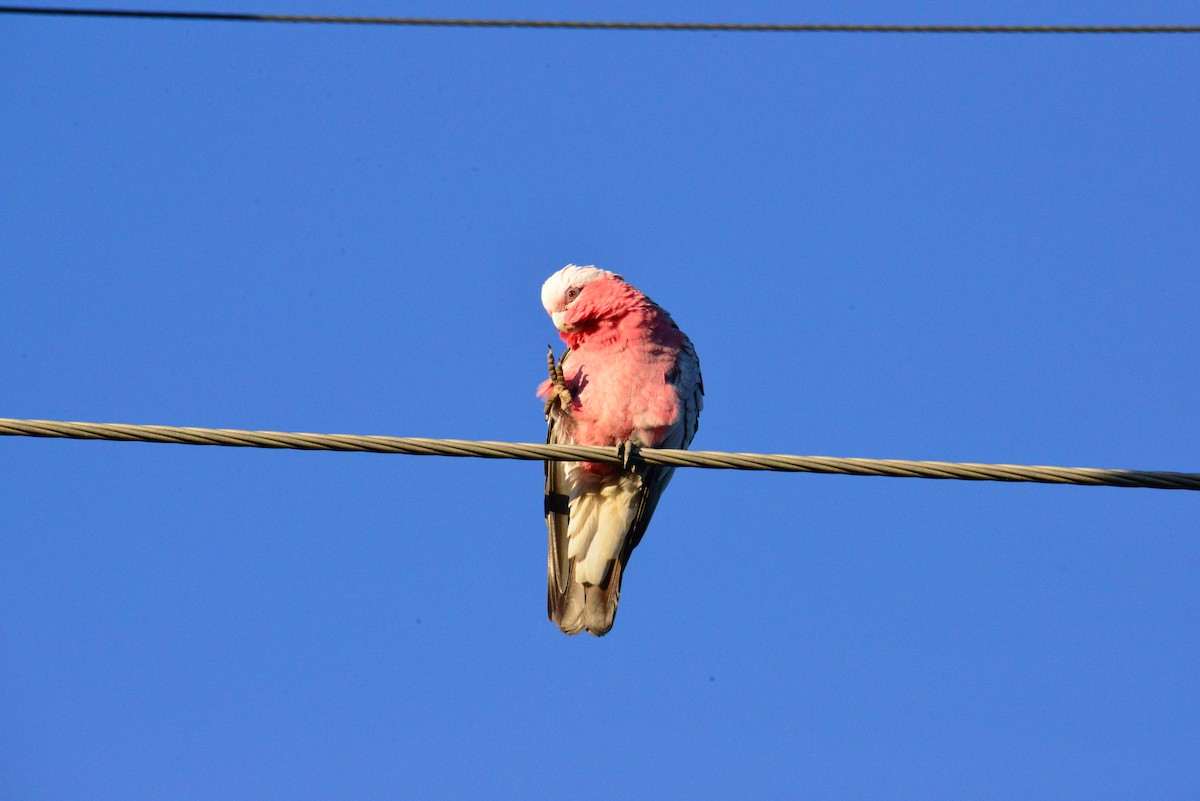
<point x="629" y="376"/>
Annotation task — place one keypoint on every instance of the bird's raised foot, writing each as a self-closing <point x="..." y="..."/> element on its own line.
<point x="561" y="397"/>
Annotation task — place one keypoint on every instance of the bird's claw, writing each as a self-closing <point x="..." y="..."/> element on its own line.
<point x="561" y="397"/>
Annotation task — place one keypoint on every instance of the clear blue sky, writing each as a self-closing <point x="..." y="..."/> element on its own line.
<point x="958" y="248"/>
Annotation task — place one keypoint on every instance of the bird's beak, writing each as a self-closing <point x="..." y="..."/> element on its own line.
<point x="560" y="322"/>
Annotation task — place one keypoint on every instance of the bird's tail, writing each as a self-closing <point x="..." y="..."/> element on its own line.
<point x="585" y="607"/>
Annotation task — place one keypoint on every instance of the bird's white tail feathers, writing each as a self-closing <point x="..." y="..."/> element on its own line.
<point x="600" y="520"/>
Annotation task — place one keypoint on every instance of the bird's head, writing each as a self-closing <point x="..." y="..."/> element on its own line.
<point x="569" y="295"/>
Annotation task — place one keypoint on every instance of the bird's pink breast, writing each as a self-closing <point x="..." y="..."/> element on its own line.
<point x="619" y="378"/>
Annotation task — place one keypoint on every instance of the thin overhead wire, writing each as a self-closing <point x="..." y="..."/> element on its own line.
<point x="694" y="27"/>
<point x="418" y="446"/>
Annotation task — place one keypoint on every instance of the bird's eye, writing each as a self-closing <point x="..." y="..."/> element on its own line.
<point x="572" y="293"/>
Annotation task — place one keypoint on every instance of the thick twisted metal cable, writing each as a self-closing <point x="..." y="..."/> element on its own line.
<point x="419" y="446"/>
<point x="731" y="27"/>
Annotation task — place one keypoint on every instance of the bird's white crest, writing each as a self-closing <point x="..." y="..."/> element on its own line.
<point x="555" y="289"/>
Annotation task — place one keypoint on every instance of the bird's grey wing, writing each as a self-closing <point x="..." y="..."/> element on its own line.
<point x="686" y="379"/>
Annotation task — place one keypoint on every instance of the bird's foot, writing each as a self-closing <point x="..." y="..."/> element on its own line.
<point x="561" y="396"/>
<point x="627" y="452"/>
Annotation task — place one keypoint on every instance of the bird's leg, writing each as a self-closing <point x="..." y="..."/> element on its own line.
<point x="562" y="394"/>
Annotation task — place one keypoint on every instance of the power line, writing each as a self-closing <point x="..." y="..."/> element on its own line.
<point x="729" y="27"/>
<point x="418" y="446"/>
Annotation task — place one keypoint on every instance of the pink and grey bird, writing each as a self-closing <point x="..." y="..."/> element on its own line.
<point x="629" y="376"/>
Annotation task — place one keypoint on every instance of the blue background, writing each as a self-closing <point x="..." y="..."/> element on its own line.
<point x="931" y="247"/>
